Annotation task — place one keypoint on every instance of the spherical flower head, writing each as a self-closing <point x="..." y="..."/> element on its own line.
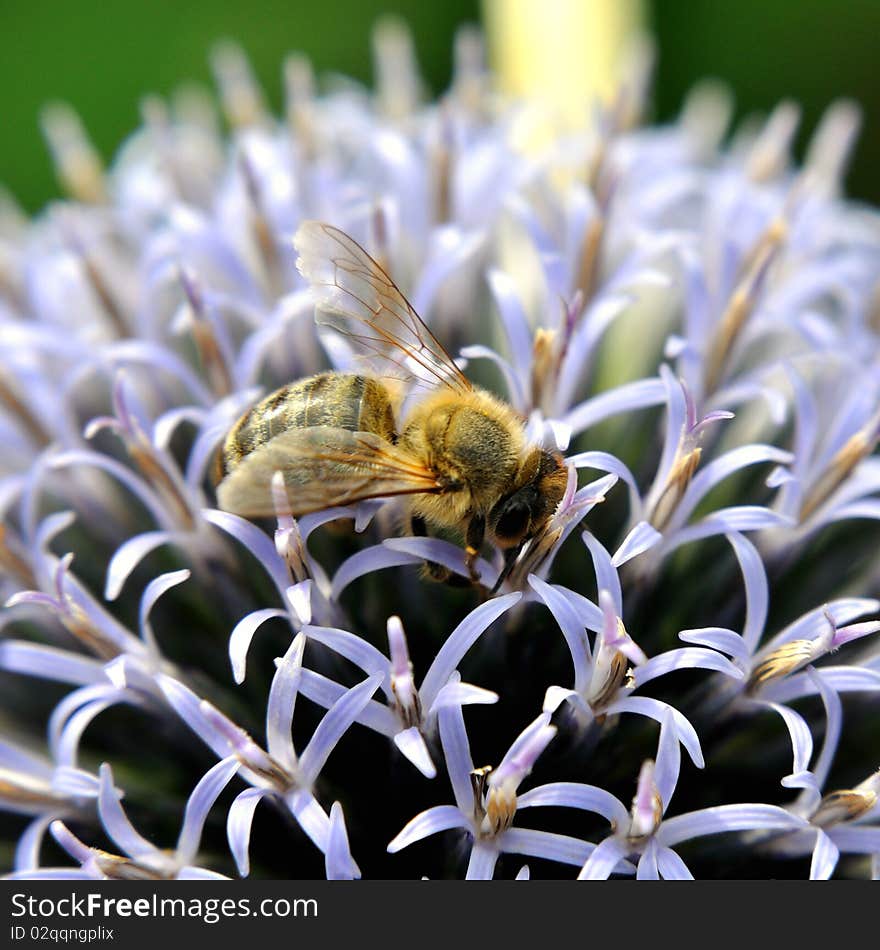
<point x="277" y="558"/>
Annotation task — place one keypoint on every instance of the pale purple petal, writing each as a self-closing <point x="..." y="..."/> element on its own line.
<point x="200" y="803"/>
<point x="600" y="865"/>
<point x="671" y="867"/>
<point x="833" y="726"/>
<point x="151" y="594"/>
<point x="683" y="659"/>
<point x="725" y="520"/>
<point x="605" y="462"/>
<point x="571" y="626"/>
<point x="255" y="540"/>
<point x="37" y="659"/>
<point x="338" y="862"/>
<point x="115" y="821"/>
<point x="720" y="468"/>
<point x="843" y="679"/>
<point x="653" y="708"/>
<point x="647" y="869"/>
<point x="442" y="552"/>
<point x="430" y="822"/>
<point x="642" y="538"/>
<point x="483" y="858"/>
<point x="520" y="758"/>
<point x="826" y="854"/>
<point x="575" y="795"/>
<point x="282" y="702"/>
<point x="238" y="826"/>
<point x="190" y="873"/>
<point x="606" y="573"/>
<point x="515" y="393"/>
<point x="325" y="692"/>
<point x="638" y="395"/>
<point x="242" y="635"/>
<point x="516" y="324"/>
<point x="801" y="738"/>
<point x="130" y="554"/>
<point x="310" y="816"/>
<point x="755" y="580"/>
<point x="462" y="694"/>
<point x="547" y="845"/>
<point x="353" y="648"/>
<point x="376" y="558"/>
<point x="557" y="695"/>
<point x="814" y="623"/>
<point x="412" y="746"/>
<point x="457" y="753"/>
<point x="460" y="641"/>
<point x="723" y="818"/>
<point x="717" y="638"/>
<point x="27" y="851"/>
<point x="856" y="839"/>
<point x="337" y="721"/>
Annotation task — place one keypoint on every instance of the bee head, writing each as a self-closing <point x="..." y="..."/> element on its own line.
<point x="521" y="514"/>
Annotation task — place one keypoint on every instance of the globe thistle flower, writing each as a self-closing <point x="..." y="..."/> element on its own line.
<point x="684" y="321"/>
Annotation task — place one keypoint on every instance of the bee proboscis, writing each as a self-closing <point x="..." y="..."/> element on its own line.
<point x="458" y="454"/>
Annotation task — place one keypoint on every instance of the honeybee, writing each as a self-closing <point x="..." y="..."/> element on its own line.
<point x="457" y="453"/>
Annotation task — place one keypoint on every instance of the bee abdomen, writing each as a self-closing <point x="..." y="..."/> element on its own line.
<point x="340" y="400"/>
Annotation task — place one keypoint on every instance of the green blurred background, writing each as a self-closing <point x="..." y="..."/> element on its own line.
<point x="103" y="57"/>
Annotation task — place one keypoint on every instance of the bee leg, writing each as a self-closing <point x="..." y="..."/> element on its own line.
<point x="437" y="572"/>
<point x="476" y="533"/>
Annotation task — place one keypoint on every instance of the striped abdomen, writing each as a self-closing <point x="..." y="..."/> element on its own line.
<point x="341" y="400"/>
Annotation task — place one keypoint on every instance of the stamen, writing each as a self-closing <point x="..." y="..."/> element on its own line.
<point x="442" y="168"/>
<point x="647" y="806"/>
<point x="394" y="63"/>
<point x="78" y="166"/>
<point x="782" y="661"/>
<point x="639" y="58"/>
<point x="261" y="227"/>
<point x="588" y="262"/>
<point x="742" y="301"/>
<point x="12" y="559"/>
<point x="479" y="777"/>
<point x="676" y="484"/>
<point x="19" y="789"/>
<point x="470" y="83"/>
<point x="545" y="363"/>
<point x="95" y="278"/>
<point x="616" y="675"/>
<point x="12" y="403"/>
<point x="406" y="696"/>
<point x="845" y="805"/>
<point x="831" y="148"/>
<point x="299" y="96"/>
<point x="500" y="810"/>
<point x="240" y="92"/>
<point x="769" y="155"/>
<point x="118" y="868"/>
<point x="859" y="446"/>
<point x="156" y="118"/>
<point x="208" y="346"/>
<point x="288" y="540"/>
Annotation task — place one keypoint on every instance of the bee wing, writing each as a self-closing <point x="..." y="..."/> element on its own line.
<point x="322" y="467"/>
<point x="357" y="297"/>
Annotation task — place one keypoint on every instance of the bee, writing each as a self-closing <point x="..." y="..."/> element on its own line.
<point x="412" y="426"/>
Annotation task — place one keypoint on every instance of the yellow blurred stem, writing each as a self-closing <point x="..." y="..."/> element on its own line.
<point x="561" y="53"/>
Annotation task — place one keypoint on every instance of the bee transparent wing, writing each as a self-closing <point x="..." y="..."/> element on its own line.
<point x="322" y="467"/>
<point x="356" y="297"/>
